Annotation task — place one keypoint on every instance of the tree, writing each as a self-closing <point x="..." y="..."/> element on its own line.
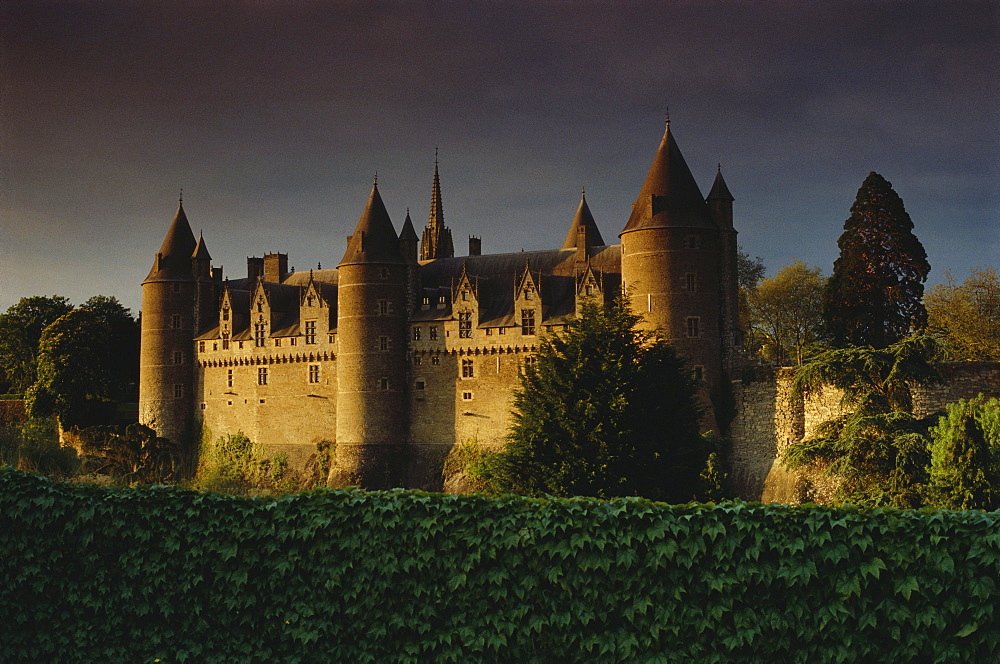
<point x="123" y="343"/>
<point x="133" y="453"/>
<point x="786" y="312"/>
<point x="749" y="272"/>
<point x="876" y="448"/>
<point x="966" y="316"/>
<point x="20" y="329"/>
<point x="72" y="376"/>
<point x="874" y="297"/>
<point x="964" y="473"/>
<point x="605" y="410"/>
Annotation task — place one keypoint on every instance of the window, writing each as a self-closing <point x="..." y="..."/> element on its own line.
<point x="465" y="296"/>
<point x="175" y="321"/>
<point x="225" y="341"/>
<point x="215" y="345"/>
<point x="527" y="321"/>
<point x="419" y="385"/>
<point x="692" y="326"/>
<point x="383" y="343"/>
<point x="293" y="341"/>
<point x="260" y="306"/>
<point x="309" y="300"/>
<point x="178" y="391"/>
<point x="529" y="360"/>
<point x="698" y="373"/>
<point x="416" y="334"/>
<point x="383" y="383"/>
<point x="489" y="331"/>
<point x="176" y="288"/>
<point x="502" y="330"/>
<point x="441" y="302"/>
<point x="277" y="341"/>
<point x="314" y="373"/>
<point x="383" y="307"/>
<point x="435" y="360"/>
<point x="527" y="293"/>
<point x="466" y="396"/>
<point x="426" y="302"/>
<point x="229" y="378"/>
<point x="225" y="313"/>
<point x="465" y="324"/>
<point x="310" y="331"/>
<point x="690" y="282"/>
<point x="241" y="345"/>
<point x="417" y="360"/>
<point x="691" y="242"/>
<point x="178" y="357"/>
<point x="259" y="334"/>
<point x="434" y="333"/>
<point x="204" y="405"/>
<point x="383" y="273"/>
<point x="468" y="369"/>
<point x="262" y="376"/>
<point x="201" y="346"/>
<point x="588" y="290"/>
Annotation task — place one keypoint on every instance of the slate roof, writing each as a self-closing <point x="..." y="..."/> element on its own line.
<point x="374" y="239"/>
<point x="583" y="218"/>
<point x="174" y="263"/>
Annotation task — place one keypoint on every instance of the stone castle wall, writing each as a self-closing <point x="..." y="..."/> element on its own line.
<point x="769" y="419"/>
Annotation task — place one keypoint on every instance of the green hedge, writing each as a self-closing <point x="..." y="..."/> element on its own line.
<point x="162" y="574"/>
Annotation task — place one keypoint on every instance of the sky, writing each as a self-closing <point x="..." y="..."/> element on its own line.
<point x="273" y="117"/>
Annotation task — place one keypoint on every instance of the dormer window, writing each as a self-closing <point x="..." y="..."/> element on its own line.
<point x="465" y="296"/>
<point x="527" y="293"/>
<point x="310" y="300"/>
<point x="589" y="290"/>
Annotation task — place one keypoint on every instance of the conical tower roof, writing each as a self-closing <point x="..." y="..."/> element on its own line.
<point x="173" y="261"/>
<point x="200" y="250"/>
<point x="583" y="218"/>
<point x="719" y="189"/>
<point x="374" y="239"/>
<point x="669" y="196"/>
<point x="407" y="232"/>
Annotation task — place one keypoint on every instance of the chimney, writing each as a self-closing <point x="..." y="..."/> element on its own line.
<point x="255" y="267"/>
<point x="475" y="246"/>
<point x="275" y="267"/>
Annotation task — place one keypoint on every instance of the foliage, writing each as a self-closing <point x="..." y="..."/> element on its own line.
<point x="20" y="330"/>
<point x="965" y="456"/>
<point x="122" y="364"/>
<point x="874" y="297"/>
<point x="605" y="410"/>
<point x="877" y="449"/>
<point x="133" y="454"/>
<point x="235" y="464"/>
<point x="38" y="450"/>
<point x="749" y="273"/>
<point x="966" y="316"/>
<point x="786" y="312"/>
<point x="136" y="575"/>
<point x="317" y="468"/>
<point x="72" y="381"/>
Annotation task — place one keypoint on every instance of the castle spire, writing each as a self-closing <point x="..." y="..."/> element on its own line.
<point x="173" y="260"/>
<point x="670" y="195"/>
<point x="436" y="241"/>
<point x="585" y="220"/>
<point x="719" y="189"/>
<point x="374" y="239"/>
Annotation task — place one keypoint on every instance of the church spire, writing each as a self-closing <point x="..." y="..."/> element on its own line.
<point x="436" y="241"/>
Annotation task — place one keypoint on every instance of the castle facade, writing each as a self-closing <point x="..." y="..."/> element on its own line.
<point x="404" y="349"/>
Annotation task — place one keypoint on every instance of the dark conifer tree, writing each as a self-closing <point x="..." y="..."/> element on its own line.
<point x="606" y="410"/>
<point x="875" y="295"/>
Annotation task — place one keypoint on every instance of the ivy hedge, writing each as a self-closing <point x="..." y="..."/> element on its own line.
<point x="163" y="574"/>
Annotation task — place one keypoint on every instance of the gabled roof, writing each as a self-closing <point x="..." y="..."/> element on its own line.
<point x="374" y="239"/>
<point x="670" y="195"/>
<point x="583" y="218"/>
<point x="174" y="258"/>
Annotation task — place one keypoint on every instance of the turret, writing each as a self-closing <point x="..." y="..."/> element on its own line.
<point x="671" y="252"/>
<point x="583" y="232"/>
<point x="371" y="354"/>
<point x="720" y="203"/>
<point x="170" y="312"/>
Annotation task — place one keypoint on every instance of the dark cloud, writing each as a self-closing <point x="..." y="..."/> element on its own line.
<point x="274" y="115"/>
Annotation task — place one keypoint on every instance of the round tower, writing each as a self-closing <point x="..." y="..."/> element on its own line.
<point x="169" y="293"/>
<point x="371" y="354"/>
<point x="672" y="261"/>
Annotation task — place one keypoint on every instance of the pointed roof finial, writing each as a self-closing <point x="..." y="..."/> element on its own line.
<point x="180" y="198"/>
<point x="375" y="180"/>
<point x="668" y="116"/>
<point x="719" y="167"/>
<point x="435" y="156"/>
<point x="583" y="192"/>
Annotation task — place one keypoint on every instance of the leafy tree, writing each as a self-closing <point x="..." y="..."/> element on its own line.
<point x="20" y="330"/>
<point x="966" y="316"/>
<point x="877" y="448"/>
<point x="749" y="273"/>
<point x="786" y="312"/>
<point x="134" y="453"/>
<point x="235" y="464"/>
<point x="605" y="410"/>
<point x="874" y="297"/>
<point x="72" y="379"/>
<point x="965" y="456"/>
<point x="123" y="342"/>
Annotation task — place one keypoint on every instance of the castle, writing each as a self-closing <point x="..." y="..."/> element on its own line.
<point x="404" y="349"/>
